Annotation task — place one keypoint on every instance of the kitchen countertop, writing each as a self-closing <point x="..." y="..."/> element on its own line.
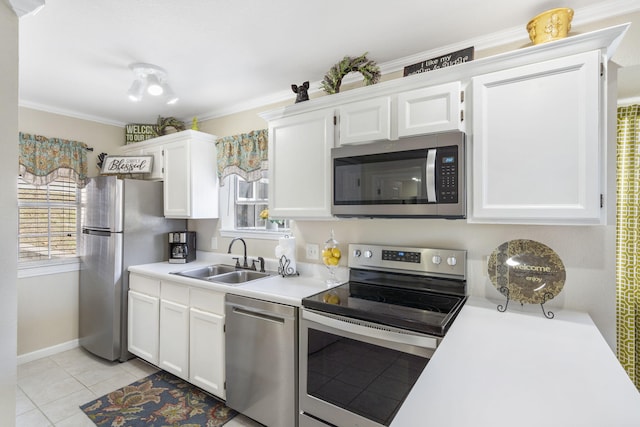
<point x="491" y="369"/>
<point x="521" y="369"/>
<point x="283" y="290"/>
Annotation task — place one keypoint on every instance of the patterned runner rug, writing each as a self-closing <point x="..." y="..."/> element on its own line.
<point x="160" y="399"/>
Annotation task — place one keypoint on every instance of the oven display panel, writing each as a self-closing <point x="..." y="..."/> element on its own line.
<point x="401" y="256"/>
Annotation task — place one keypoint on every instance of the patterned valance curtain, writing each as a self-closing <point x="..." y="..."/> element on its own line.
<point x="628" y="241"/>
<point x="244" y="155"/>
<point x="43" y="160"/>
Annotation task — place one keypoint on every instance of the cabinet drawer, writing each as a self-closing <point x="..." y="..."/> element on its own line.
<point x="207" y="300"/>
<point x="144" y="284"/>
<point x="175" y="292"/>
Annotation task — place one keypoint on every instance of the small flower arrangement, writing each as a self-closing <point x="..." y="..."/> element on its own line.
<point x="264" y="214"/>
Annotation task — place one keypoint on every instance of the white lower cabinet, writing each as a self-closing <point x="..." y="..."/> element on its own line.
<point x="206" y="341"/>
<point x="207" y="351"/>
<point x="174" y="329"/>
<point x="180" y="329"/>
<point x="144" y="317"/>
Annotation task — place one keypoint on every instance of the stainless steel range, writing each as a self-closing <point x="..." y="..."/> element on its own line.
<point x="364" y="344"/>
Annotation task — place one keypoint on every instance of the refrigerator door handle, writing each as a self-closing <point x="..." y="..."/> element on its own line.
<point x="93" y="232"/>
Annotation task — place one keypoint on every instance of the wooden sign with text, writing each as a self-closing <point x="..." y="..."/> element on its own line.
<point x="453" y="58"/>
<point x="139" y="132"/>
<point x="113" y="165"/>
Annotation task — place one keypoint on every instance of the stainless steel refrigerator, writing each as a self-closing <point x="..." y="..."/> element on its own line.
<point x="122" y="225"/>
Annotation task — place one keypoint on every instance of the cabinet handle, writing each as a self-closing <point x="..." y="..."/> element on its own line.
<point x="257" y="315"/>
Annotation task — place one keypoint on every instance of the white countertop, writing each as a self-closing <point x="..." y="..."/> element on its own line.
<point x="492" y="369"/>
<point x="283" y="290"/>
<point x="521" y="369"/>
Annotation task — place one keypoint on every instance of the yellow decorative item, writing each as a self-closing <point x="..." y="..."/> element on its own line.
<point x="194" y="124"/>
<point x="331" y="255"/>
<point x="551" y="25"/>
<point x="264" y="214"/>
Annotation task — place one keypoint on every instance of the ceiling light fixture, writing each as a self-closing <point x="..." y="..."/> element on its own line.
<point x="152" y="80"/>
<point x="26" y="7"/>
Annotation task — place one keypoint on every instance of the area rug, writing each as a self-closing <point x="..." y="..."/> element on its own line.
<point x="158" y="400"/>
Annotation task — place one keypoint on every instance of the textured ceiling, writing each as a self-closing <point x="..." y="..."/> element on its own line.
<point x="224" y="56"/>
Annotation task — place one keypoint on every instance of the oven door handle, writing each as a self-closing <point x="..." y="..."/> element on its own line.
<point x="379" y="333"/>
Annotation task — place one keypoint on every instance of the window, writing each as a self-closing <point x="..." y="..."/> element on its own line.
<point x="251" y="200"/>
<point x="246" y="201"/>
<point x="47" y="221"/>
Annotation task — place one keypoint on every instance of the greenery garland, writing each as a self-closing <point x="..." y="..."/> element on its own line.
<point x="164" y="122"/>
<point x="333" y="79"/>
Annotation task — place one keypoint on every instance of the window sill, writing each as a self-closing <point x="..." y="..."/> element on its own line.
<point x="46" y="268"/>
<point x="255" y="234"/>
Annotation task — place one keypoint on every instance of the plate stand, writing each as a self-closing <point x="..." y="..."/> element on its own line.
<point x="546" y="297"/>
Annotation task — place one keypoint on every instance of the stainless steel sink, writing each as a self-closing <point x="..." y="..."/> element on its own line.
<point x="222" y="273"/>
<point x="238" y="277"/>
<point x="207" y="272"/>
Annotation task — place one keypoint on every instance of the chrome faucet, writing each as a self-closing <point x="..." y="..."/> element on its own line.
<point x="244" y="265"/>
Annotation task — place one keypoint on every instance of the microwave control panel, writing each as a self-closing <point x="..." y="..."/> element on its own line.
<point x="447" y="174"/>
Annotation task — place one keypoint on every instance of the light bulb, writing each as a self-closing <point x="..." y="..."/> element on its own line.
<point x="136" y="90"/>
<point x="154" y="87"/>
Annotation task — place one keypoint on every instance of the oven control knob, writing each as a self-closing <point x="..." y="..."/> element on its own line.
<point x="368" y="254"/>
<point x="436" y="259"/>
<point x="452" y="261"/>
<point x="357" y="253"/>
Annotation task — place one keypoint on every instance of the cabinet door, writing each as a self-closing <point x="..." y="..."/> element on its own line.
<point x="177" y="180"/>
<point x="300" y="165"/>
<point x="174" y="338"/>
<point x="157" y="168"/>
<point x="143" y="325"/>
<point x="430" y="110"/>
<point x="536" y="143"/>
<point x="365" y="121"/>
<point x="206" y="352"/>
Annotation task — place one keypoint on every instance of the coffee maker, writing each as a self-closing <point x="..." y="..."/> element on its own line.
<point x="182" y="247"/>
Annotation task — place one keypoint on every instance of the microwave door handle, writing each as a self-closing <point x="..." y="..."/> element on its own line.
<point x="431" y="175"/>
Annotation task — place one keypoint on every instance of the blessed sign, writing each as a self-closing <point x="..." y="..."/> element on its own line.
<point x="126" y="164"/>
<point x="453" y="58"/>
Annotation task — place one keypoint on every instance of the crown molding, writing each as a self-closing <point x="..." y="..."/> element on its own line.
<point x="69" y="113"/>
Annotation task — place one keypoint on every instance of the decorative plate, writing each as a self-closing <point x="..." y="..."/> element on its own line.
<point x="526" y="271"/>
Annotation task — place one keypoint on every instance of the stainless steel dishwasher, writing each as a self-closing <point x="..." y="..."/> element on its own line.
<point x="261" y="360"/>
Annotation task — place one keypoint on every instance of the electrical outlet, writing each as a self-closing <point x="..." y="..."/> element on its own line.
<point x="214" y="243"/>
<point x="312" y="251"/>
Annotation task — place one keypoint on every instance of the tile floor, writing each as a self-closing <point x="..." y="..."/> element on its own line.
<point x="50" y="390"/>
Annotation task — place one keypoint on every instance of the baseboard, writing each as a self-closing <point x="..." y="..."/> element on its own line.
<point x="46" y="352"/>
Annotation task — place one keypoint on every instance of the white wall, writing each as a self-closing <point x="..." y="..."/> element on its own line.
<point x="8" y="210"/>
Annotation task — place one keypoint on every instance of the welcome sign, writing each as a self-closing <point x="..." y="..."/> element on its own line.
<point x="113" y="165"/>
<point x="139" y="132"/>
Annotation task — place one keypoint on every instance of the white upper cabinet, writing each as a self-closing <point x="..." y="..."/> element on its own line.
<point x="539" y="124"/>
<point x="300" y="165"/>
<point x="536" y="143"/>
<point x="186" y="162"/>
<point x="365" y="121"/>
<point x="431" y="110"/>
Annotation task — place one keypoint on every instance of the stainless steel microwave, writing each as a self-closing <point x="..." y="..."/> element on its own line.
<point x="417" y="177"/>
